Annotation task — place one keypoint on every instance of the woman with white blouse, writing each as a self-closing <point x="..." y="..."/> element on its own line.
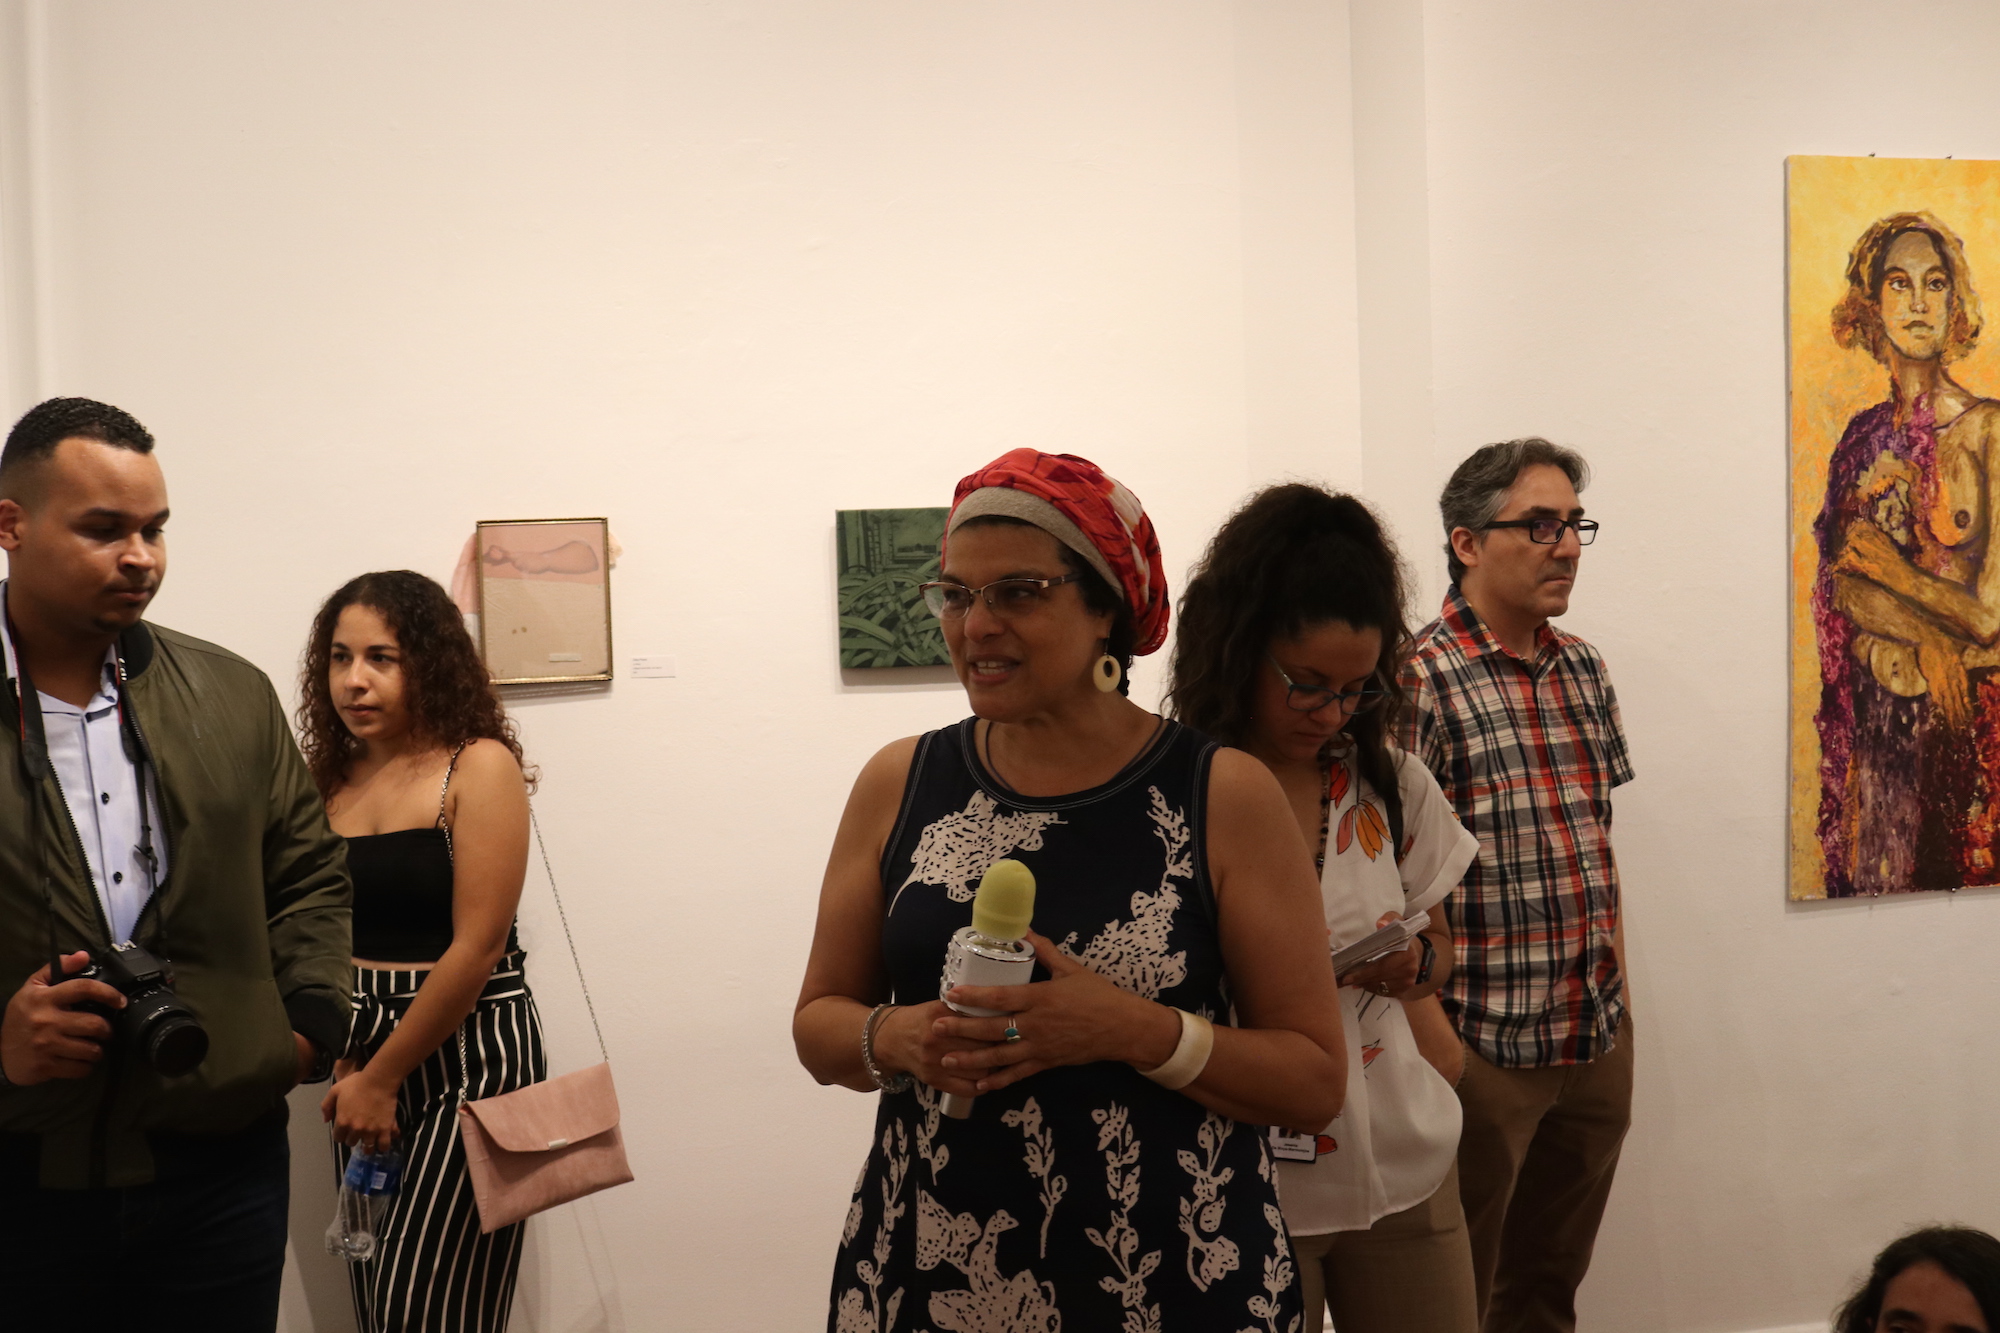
<point x="1291" y="634"/>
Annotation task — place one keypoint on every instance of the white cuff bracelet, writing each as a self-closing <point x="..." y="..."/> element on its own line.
<point x="1190" y="1057"/>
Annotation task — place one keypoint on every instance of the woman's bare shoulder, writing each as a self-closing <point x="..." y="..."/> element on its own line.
<point x="886" y="771"/>
<point x="487" y="765"/>
<point x="1240" y="774"/>
<point x="1242" y="792"/>
<point x="875" y="799"/>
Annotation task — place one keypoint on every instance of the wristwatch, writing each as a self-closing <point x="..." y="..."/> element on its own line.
<point x="1430" y="960"/>
<point x="322" y="1067"/>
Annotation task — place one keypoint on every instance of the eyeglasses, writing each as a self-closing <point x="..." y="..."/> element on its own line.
<point x="1007" y="598"/>
<point x="1311" y="698"/>
<point x="1549" y="531"/>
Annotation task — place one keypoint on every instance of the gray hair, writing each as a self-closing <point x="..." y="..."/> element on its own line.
<point x="1479" y="485"/>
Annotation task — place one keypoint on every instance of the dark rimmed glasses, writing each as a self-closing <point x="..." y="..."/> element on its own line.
<point x="1311" y="698"/>
<point x="1549" y="531"/>
<point x="1006" y="598"/>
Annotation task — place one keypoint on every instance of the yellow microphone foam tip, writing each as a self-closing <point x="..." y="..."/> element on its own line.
<point x="1005" y="903"/>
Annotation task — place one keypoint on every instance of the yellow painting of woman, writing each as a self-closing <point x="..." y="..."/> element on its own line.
<point x="1896" y="696"/>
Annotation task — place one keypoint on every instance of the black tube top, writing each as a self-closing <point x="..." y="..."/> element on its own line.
<point x="402" y="896"/>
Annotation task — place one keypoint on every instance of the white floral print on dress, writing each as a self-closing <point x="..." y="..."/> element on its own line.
<point x="991" y="1302"/>
<point x="1134" y="953"/>
<point x="855" y="1312"/>
<point x="1041" y="1161"/>
<point x="957" y="850"/>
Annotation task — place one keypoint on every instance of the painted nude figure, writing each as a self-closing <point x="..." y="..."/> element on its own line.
<point x="1907" y="604"/>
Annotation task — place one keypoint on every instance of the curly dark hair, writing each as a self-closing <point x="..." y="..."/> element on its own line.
<point x="1971" y="1257"/>
<point x="448" y="689"/>
<point x="1292" y="558"/>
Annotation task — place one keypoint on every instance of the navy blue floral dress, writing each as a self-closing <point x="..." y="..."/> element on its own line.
<point x="1085" y="1197"/>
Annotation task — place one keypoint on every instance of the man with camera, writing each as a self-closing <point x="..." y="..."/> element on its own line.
<point x="173" y="913"/>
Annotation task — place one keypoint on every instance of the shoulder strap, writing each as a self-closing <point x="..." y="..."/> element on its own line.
<point x="1392" y="805"/>
<point x="563" y="916"/>
<point x="445" y="789"/>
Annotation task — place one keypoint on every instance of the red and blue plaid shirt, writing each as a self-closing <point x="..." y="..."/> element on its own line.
<point x="1527" y="753"/>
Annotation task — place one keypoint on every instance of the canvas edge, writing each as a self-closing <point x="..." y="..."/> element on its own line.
<point x="1795" y="891"/>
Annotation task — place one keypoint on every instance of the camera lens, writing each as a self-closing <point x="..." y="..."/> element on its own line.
<point x="173" y="1040"/>
<point x="176" y="1045"/>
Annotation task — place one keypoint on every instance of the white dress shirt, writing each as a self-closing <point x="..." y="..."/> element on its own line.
<point x="100" y="786"/>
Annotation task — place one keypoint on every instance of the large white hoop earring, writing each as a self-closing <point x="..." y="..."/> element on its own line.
<point x="1106" y="673"/>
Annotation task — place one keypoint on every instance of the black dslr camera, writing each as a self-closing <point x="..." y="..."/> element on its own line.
<point x="154" y="1019"/>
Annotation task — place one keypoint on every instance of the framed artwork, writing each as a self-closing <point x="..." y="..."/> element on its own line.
<point x="885" y="555"/>
<point x="544" y="599"/>
<point x="1895" y="582"/>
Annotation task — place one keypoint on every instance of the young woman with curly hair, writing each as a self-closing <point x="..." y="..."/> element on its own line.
<point x="422" y="774"/>
<point x="1291" y="637"/>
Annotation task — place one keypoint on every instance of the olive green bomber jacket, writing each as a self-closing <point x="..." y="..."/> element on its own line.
<point x="255" y="903"/>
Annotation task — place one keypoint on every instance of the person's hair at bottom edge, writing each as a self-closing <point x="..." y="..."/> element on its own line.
<point x="1969" y="1257"/>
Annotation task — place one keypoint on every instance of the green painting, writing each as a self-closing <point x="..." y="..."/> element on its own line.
<point x="886" y="555"/>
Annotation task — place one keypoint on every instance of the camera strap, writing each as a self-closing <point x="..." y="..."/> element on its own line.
<point x="35" y="768"/>
<point x="142" y="760"/>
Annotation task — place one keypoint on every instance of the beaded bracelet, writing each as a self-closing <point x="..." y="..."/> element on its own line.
<point x="886" y="1082"/>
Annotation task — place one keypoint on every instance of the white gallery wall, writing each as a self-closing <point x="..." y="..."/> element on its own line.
<point x="373" y="272"/>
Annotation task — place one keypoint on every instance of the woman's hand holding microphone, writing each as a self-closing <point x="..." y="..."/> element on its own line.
<point x="1076" y="1017"/>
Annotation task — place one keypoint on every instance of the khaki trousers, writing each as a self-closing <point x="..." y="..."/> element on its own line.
<point x="1535" y="1163"/>
<point x="1409" y="1273"/>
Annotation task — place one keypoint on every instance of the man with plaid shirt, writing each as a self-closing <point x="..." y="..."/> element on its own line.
<point x="1519" y="724"/>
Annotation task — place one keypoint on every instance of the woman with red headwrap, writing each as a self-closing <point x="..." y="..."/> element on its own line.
<point x="1110" y="1174"/>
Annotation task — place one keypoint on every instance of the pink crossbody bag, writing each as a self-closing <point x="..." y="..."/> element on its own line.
<point x="550" y="1142"/>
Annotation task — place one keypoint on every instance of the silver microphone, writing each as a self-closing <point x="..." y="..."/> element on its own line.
<point x="993" y="950"/>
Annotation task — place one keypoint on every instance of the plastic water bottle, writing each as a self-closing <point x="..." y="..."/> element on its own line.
<point x="366" y="1188"/>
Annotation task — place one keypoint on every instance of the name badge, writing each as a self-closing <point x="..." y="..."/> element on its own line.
<point x="1287" y="1147"/>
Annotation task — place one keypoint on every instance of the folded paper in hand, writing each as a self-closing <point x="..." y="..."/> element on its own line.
<point x="1396" y="935"/>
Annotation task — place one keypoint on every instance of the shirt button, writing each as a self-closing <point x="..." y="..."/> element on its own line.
<point x="104" y="797"/>
<point x="117" y="877"/>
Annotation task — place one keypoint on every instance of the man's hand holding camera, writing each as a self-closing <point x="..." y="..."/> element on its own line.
<point x="43" y="1035"/>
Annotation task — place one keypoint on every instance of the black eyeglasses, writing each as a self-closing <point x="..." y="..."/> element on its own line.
<point x="1007" y="597"/>
<point x="1549" y="531"/>
<point x="1311" y="698"/>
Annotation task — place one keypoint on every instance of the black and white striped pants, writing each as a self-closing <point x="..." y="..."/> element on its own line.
<point x="433" y="1272"/>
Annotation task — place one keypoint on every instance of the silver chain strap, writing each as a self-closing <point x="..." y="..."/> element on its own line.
<point x="464" y="1069"/>
<point x="563" y="916"/>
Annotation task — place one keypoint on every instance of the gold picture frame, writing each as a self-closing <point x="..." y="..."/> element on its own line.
<point x="545" y="599"/>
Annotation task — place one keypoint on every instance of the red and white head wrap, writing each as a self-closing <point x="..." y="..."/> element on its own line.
<point x="1072" y="500"/>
